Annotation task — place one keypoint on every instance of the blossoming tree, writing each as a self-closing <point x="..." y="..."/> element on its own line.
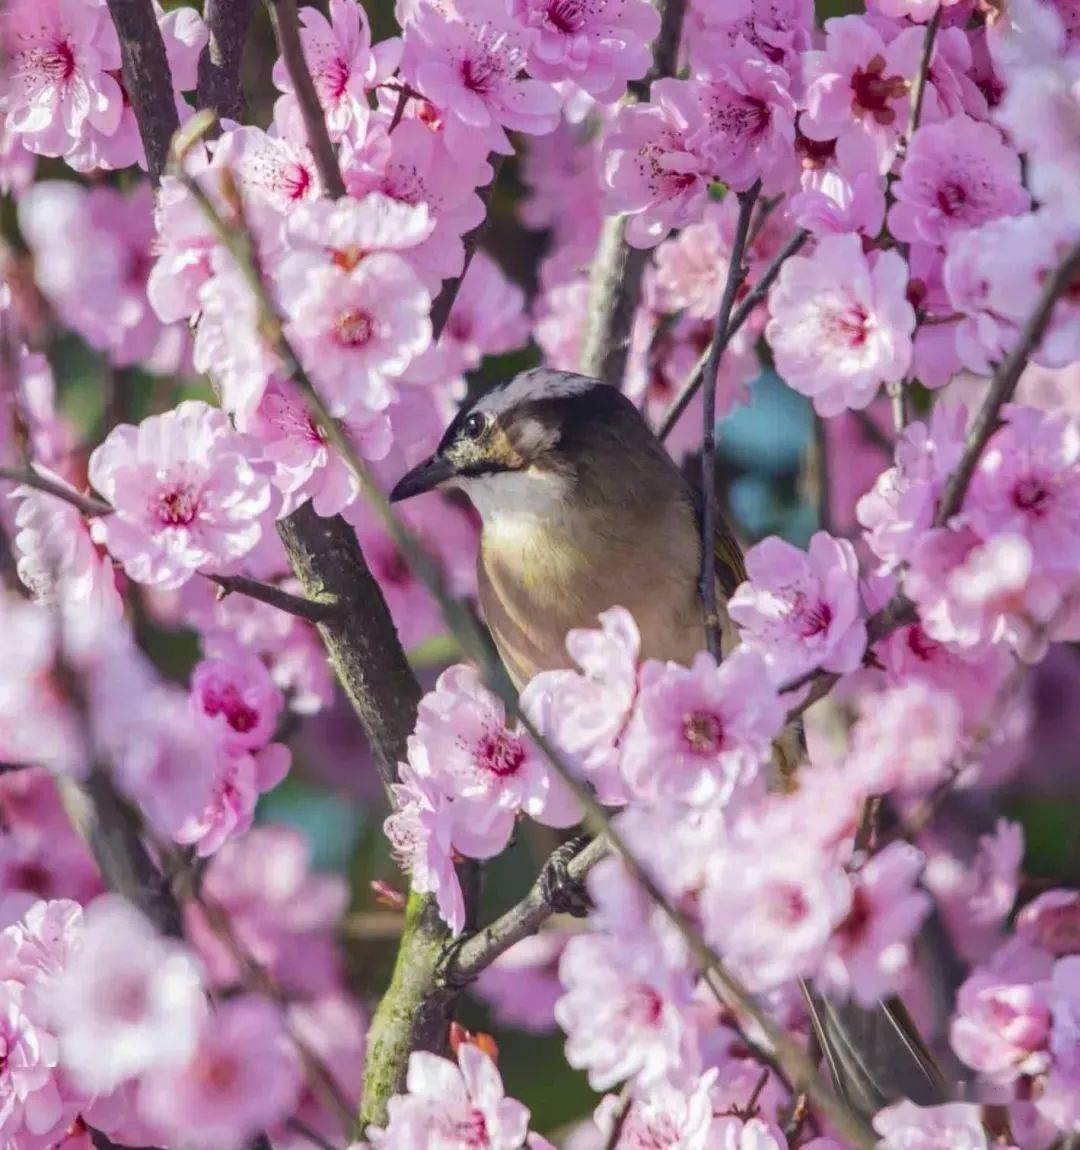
<point x="284" y="304"/>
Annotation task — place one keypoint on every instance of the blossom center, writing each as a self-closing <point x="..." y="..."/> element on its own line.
<point x="354" y="328"/>
<point x="848" y="325"/>
<point x="336" y="78"/>
<point x="229" y="702"/>
<point x="177" y="506"/>
<point x="787" y="904"/>
<point x="500" y="753"/>
<point x="703" y="732"/>
<point x="1031" y="494"/>
<point x="951" y="197"/>
<point x="566" y="16"/>
<point x="220" y="1074"/>
<point x="810" y="619"/>
<point x="874" y="91"/>
<point x="57" y="61"/>
<point x="468" y="1133"/>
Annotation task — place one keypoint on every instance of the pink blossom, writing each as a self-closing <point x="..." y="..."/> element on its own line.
<point x="840" y="323"/>
<point x="749" y="130"/>
<point x="182" y="245"/>
<point x="1058" y="1101"/>
<point x="902" y="503"/>
<point x="32" y="1111"/>
<point x="128" y="1000"/>
<point x="870" y="955"/>
<point x="623" y="1019"/>
<point x="273" y="171"/>
<point x="479" y="759"/>
<point x="242" y="1076"/>
<point x="239" y="778"/>
<point x="1001" y="1027"/>
<point x="653" y="169"/>
<point x="92" y="259"/>
<point x="420" y="831"/>
<point x="64" y="55"/>
<point x="1052" y="922"/>
<point x="956" y="176"/>
<point x="700" y="733"/>
<point x="469" y="65"/>
<point x="847" y="195"/>
<point x="905" y="1126"/>
<point x="487" y="317"/>
<point x="17" y="165"/>
<point x="239" y="695"/>
<point x="453" y="1106"/>
<point x="283" y="913"/>
<point x="585" y="713"/>
<point x="906" y="738"/>
<point x="777" y="30"/>
<point x="855" y="85"/>
<point x="732" y="1133"/>
<point x="185" y="493"/>
<point x="343" y="64"/>
<point x="598" y="44"/>
<point x="357" y="330"/>
<point x="663" y="1116"/>
<point x="801" y="610"/>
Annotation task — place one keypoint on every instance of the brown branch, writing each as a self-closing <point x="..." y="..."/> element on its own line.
<point x="309" y="609"/>
<point x="219" y="89"/>
<point x="735" y="277"/>
<point x="520" y="921"/>
<point x="1003" y="385"/>
<point x="287" y="30"/>
<point x="147" y="79"/>
<point x="88" y="505"/>
<point x="618" y="269"/>
<point x="918" y="86"/>
<point x="742" y="313"/>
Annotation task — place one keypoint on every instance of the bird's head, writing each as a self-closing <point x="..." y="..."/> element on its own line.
<point x="529" y="443"/>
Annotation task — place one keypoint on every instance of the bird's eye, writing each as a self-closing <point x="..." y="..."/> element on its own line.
<point x="474" y="425"/>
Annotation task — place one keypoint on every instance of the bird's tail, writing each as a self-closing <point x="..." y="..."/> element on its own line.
<point x="875" y="1057"/>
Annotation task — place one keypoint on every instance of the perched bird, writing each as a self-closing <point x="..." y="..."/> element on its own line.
<point x="583" y="509"/>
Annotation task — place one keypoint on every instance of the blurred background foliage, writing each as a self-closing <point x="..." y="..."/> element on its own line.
<point x="767" y="477"/>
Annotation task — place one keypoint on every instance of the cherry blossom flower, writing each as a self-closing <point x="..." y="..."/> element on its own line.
<point x="840" y="324"/>
<point x="598" y="44"/>
<point x="128" y="1001"/>
<point x="653" y="169"/>
<point x="357" y="330"/>
<point x="870" y="954"/>
<point x="185" y="493"/>
<point x="662" y="1116"/>
<point x="777" y="31"/>
<point x="487" y="317"/>
<point x="343" y="63"/>
<point x="906" y="1126"/>
<point x="522" y="985"/>
<point x="801" y="610"/>
<point x="447" y="1105"/>
<point x="273" y="171"/>
<point x="733" y="1133"/>
<point x="585" y="713"/>
<point x="956" y="176"/>
<point x="1001" y="1027"/>
<point x="1058" y="1102"/>
<point x="470" y="68"/>
<point x="1051" y="922"/>
<point x="241" y="697"/>
<point x="845" y="195"/>
<point x="749" y="124"/>
<point x="242" y="1076"/>
<point x="703" y="732"/>
<point x="64" y="57"/>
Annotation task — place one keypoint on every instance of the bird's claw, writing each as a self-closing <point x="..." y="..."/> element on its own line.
<point x="562" y="892"/>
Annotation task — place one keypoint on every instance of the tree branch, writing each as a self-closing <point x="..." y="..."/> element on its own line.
<point x="618" y="269"/>
<point x="735" y="277"/>
<point x="88" y="505"/>
<point x="287" y="30"/>
<point x="1003" y="385"/>
<point x="312" y="610"/>
<point x="147" y="79"/>
<point x="219" y="89"/>
<point x="742" y="313"/>
<point x="520" y="921"/>
<point x="918" y="86"/>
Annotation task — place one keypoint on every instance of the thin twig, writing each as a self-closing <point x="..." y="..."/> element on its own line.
<point x="520" y="921"/>
<point x="147" y="79"/>
<point x="88" y="505"/>
<point x="735" y="277"/>
<point x="1003" y="385"/>
<point x="312" y="610"/>
<point x="227" y="22"/>
<point x="918" y="86"/>
<point x="741" y="314"/>
<point x="284" y="18"/>
<point x="619" y="1117"/>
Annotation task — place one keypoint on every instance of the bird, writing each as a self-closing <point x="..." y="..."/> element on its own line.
<point x="583" y="509"/>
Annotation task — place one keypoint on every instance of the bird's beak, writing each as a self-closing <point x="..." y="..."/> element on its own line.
<point x="423" y="477"/>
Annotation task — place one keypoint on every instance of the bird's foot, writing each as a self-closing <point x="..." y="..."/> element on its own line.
<point x="562" y="892"/>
